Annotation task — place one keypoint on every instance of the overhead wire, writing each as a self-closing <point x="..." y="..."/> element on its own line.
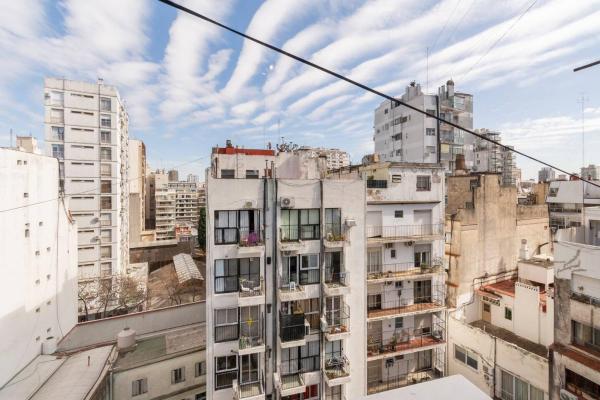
<point x="441" y="32"/>
<point x="368" y="88"/>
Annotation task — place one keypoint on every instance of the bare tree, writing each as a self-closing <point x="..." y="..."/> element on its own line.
<point x="86" y="292"/>
<point x="173" y="288"/>
<point x="130" y="293"/>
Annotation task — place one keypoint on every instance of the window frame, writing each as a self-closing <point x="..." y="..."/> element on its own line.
<point x="228" y="370"/>
<point x="468" y="357"/>
<point x="305" y="228"/>
<point x="139" y="387"/>
<point x="508" y="314"/>
<point x="229" y="312"/>
<point x="177" y="371"/>
<point x="419" y="185"/>
<point x="199" y="368"/>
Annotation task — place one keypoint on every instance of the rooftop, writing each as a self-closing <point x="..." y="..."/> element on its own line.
<point x="448" y="388"/>
<point x="510" y="337"/>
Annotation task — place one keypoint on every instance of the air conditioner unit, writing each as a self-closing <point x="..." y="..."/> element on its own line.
<point x="250" y="204"/>
<point x="286" y="202"/>
<point x="565" y="395"/>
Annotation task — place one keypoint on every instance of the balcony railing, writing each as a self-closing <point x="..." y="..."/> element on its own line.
<point x="408" y="300"/>
<point x="394" y="270"/>
<point x="336" y="366"/>
<point x="251" y="333"/>
<point x="294" y="233"/>
<point x="333" y="232"/>
<point x="336" y="279"/>
<point x="300" y="365"/>
<point x="583" y="298"/>
<point x="245" y="237"/>
<point x="226" y="333"/>
<point x="377" y="183"/>
<point x="402" y="339"/>
<point x="338" y="320"/>
<point x="291" y="327"/>
<point x="250" y="288"/>
<point x="394" y="231"/>
<point x="378" y="384"/>
<point x="248" y="389"/>
<point x="310" y="276"/>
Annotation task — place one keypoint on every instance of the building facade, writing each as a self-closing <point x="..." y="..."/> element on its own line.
<point x="86" y="129"/>
<point x="591" y="172"/>
<point x="137" y="189"/>
<point x="39" y="250"/>
<point x="546" y="174"/>
<point x="576" y="360"/>
<point x="567" y="201"/>
<point x="165" y="202"/>
<point x="489" y="157"/>
<point x="284" y="254"/>
<point x="336" y="158"/>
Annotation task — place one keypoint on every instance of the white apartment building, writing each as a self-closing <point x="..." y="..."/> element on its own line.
<point x="546" y="174"/>
<point x="489" y="157"/>
<point x="405" y="296"/>
<point x="137" y="189"/>
<point x="285" y="281"/>
<point x="86" y="129"/>
<point x="404" y="135"/>
<point x="591" y="172"/>
<point x="576" y="359"/>
<point x="187" y="202"/>
<point x="500" y="340"/>
<point x="164" y="200"/>
<point x="336" y="158"/>
<point x="567" y="201"/>
<point x="38" y="244"/>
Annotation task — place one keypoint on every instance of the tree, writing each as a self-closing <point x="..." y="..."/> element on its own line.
<point x="202" y="229"/>
<point x="86" y="292"/>
<point x="129" y="293"/>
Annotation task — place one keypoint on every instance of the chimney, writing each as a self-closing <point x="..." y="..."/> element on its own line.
<point x="228" y="143"/>
<point x="524" y="250"/>
<point x="459" y="165"/>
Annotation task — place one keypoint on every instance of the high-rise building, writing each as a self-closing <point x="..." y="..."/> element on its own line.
<point x="567" y="201"/>
<point x="39" y="258"/>
<point x="165" y="200"/>
<point x="173" y="175"/>
<point x="546" y="174"/>
<point x="404" y="135"/>
<point x="284" y="252"/>
<point x="187" y="202"/>
<point x="489" y="157"/>
<point x="86" y="128"/>
<point x="192" y="178"/>
<point x="591" y="172"/>
<point x="576" y="361"/>
<point x="336" y="158"/>
<point x="137" y="189"/>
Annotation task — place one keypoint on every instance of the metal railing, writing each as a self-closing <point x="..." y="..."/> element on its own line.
<point x="336" y="366"/>
<point x="225" y="379"/>
<point x="404" y="230"/>
<point x="333" y="232"/>
<point x="245" y="237"/>
<point x="377" y="184"/>
<point x="338" y="321"/>
<point x="294" y="233"/>
<point x="242" y="390"/>
<point x="383" y="383"/>
<point x="226" y="333"/>
<point x="383" y="271"/>
<point x="405" y="338"/>
<point x="336" y="278"/>
<point x="583" y="298"/>
<point x="291" y="327"/>
<point x="300" y="365"/>
<point x="250" y="288"/>
<point x="406" y="300"/>
<point x="251" y="333"/>
<point x="304" y="277"/>
<point x="289" y="285"/>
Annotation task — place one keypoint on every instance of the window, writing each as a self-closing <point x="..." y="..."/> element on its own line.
<point x="585" y="335"/>
<point x="430" y="131"/>
<point x="105" y="187"/>
<point x="105" y="219"/>
<point x="58" y="151"/>
<point x="508" y="313"/>
<point x="577" y="383"/>
<point x="431" y="113"/>
<point x="226" y="324"/>
<point x="26" y="233"/>
<point x="57" y="98"/>
<point x="57" y="116"/>
<point x="396" y="178"/>
<point x="58" y="133"/>
<point x="178" y="375"/>
<point x="393" y="253"/>
<point x="251" y="174"/>
<point x="201" y="396"/>
<point x="104" y="136"/>
<point x="465" y="356"/>
<point x="309" y="269"/>
<point x="229" y="272"/>
<point x="105" y="170"/>
<point x="399" y="323"/>
<point x="423" y="183"/>
<point x="105" y="104"/>
<point x="139" y="386"/>
<point x="105" y="202"/>
<point x="106" y="252"/>
<point x="25" y="195"/>
<point x="227" y="174"/>
<point x="301" y="358"/>
<point x="105" y="154"/>
<point x="399" y="214"/>
<point x="105" y="269"/>
<point x="513" y="388"/>
<point x="300" y="224"/>
<point x="225" y="371"/>
<point x="430" y="149"/>
<point x="237" y="226"/>
<point x="105" y="121"/>
<point x="200" y="369"/>
<point x="333" y="223"/>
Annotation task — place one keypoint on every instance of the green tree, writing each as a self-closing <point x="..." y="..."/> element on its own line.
<point x="202" y="229"/>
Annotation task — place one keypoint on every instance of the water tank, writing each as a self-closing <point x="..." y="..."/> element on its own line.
<point x="126" y="339"/>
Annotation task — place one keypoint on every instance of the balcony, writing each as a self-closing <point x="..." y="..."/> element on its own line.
<point x="292" y="330"/>
<point x="418" y="301"/>
<point x="336" y="283"/>
<point x="249" y="240"/>
<point x="251" y="337"/>
<point x="249" y="390"/>
<point x="289" y="383"/>
<point x="378" y="384"/>
<point x="334" y="237"/>
<point x="377" y="273"/>
<point x="290" y="290"/>
<point x="404" y="340"/>
<point x="337" y="370"/>
<point x="251" y="292"/>
<point x="336" y="323"/>
<point x="403" y="233"/>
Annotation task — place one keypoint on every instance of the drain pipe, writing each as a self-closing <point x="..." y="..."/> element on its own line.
<point x="274" y="301"/>
<point x="322" y="277"/>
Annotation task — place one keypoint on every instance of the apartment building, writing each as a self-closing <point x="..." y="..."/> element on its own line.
<point x="499" y="340"/>
<point x="86" y="129"/>
<point x="576" y="359"/>
<point x="484" y="230"/>
<point x="137" y="189"/>
<point x="568" y="201"/>
<point x="165" y="203"/>
<point x="591" y="172"/>
<point x="404" y="135"/>
<point x="39" y="258"/>
<point x="405" y="296"/>
<point x="187" y="202"/>
<point x="284" y="278"/>
<point x="489" y="157"/>
<point x="546" y="174"/>
<point x="336" y="158"/>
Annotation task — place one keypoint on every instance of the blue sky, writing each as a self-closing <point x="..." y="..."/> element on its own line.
<point x="189" y="86"/>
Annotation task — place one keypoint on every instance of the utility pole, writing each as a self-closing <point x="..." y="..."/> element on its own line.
<point x="582" y="100"/>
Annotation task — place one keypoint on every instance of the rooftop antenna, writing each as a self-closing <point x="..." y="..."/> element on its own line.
<point x="427" y="76"/>
<point x="11" y="137"/>
<point x="582" y="100"/>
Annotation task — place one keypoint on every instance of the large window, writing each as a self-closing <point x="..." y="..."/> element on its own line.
<point x="249" y="368"/>
<point x="226" y="324"/>
<point x="237" y="226"/>
<point x="105" y="104"/>
<point x="58" y="151"/>
<point x="577" y="384"/>
<point x="301" y="358"/>
<point x="139" y="386"/>
<point x="225" y="371"/>
<point x="104" y="136"/>
<point x="513" y="388"/>
<point x="585" y="335"/>
<point x="300" y="224"/>
<point x="105" y="202"/>
<point x="423" y="183"/>
<point x="105" y="187"/>
<point x="333" y="223"/>
<point x="310" y="272"/>
<point x="466" y="356"/>
<point x="200" y="369"/>
<point x="229" y="272"/>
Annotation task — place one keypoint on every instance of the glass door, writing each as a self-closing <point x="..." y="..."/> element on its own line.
<point x="249" y="364"/>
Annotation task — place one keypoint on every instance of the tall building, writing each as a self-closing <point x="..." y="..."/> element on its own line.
<point x="546" y="174"/>
<point x="591" y="172"/>
<point x="150" y="202"/>
<point x="192" y="178"/>
<point x="489" y="157"/>
<point x="284" y="252"/>
<point x="405" y="297"/>
<point x="187" y="202"/>
<point x="165" y="200"/>
<point x="336" y="158"/>
<point x="137" y="189"/>
<point x="173" y="175"/>
<point x="39" y="258"/>
<point x="576" y="360"/>
<point x="404" y="135"/>
<point x="567" y="201"/>
<point x="86" y="128"/>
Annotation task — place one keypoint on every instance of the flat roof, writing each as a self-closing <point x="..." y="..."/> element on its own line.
<point x="186" y="268"/>
<point x="448" y="388"/>
<point x="510" y="337"/>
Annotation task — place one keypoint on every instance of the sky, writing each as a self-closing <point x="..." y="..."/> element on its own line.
<point x="189" y="86"/>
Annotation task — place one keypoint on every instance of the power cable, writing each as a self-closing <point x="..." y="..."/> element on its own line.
<point x="89" y="191"/>
<point x="368" y="88"/>
<point x="445" y="25"/>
